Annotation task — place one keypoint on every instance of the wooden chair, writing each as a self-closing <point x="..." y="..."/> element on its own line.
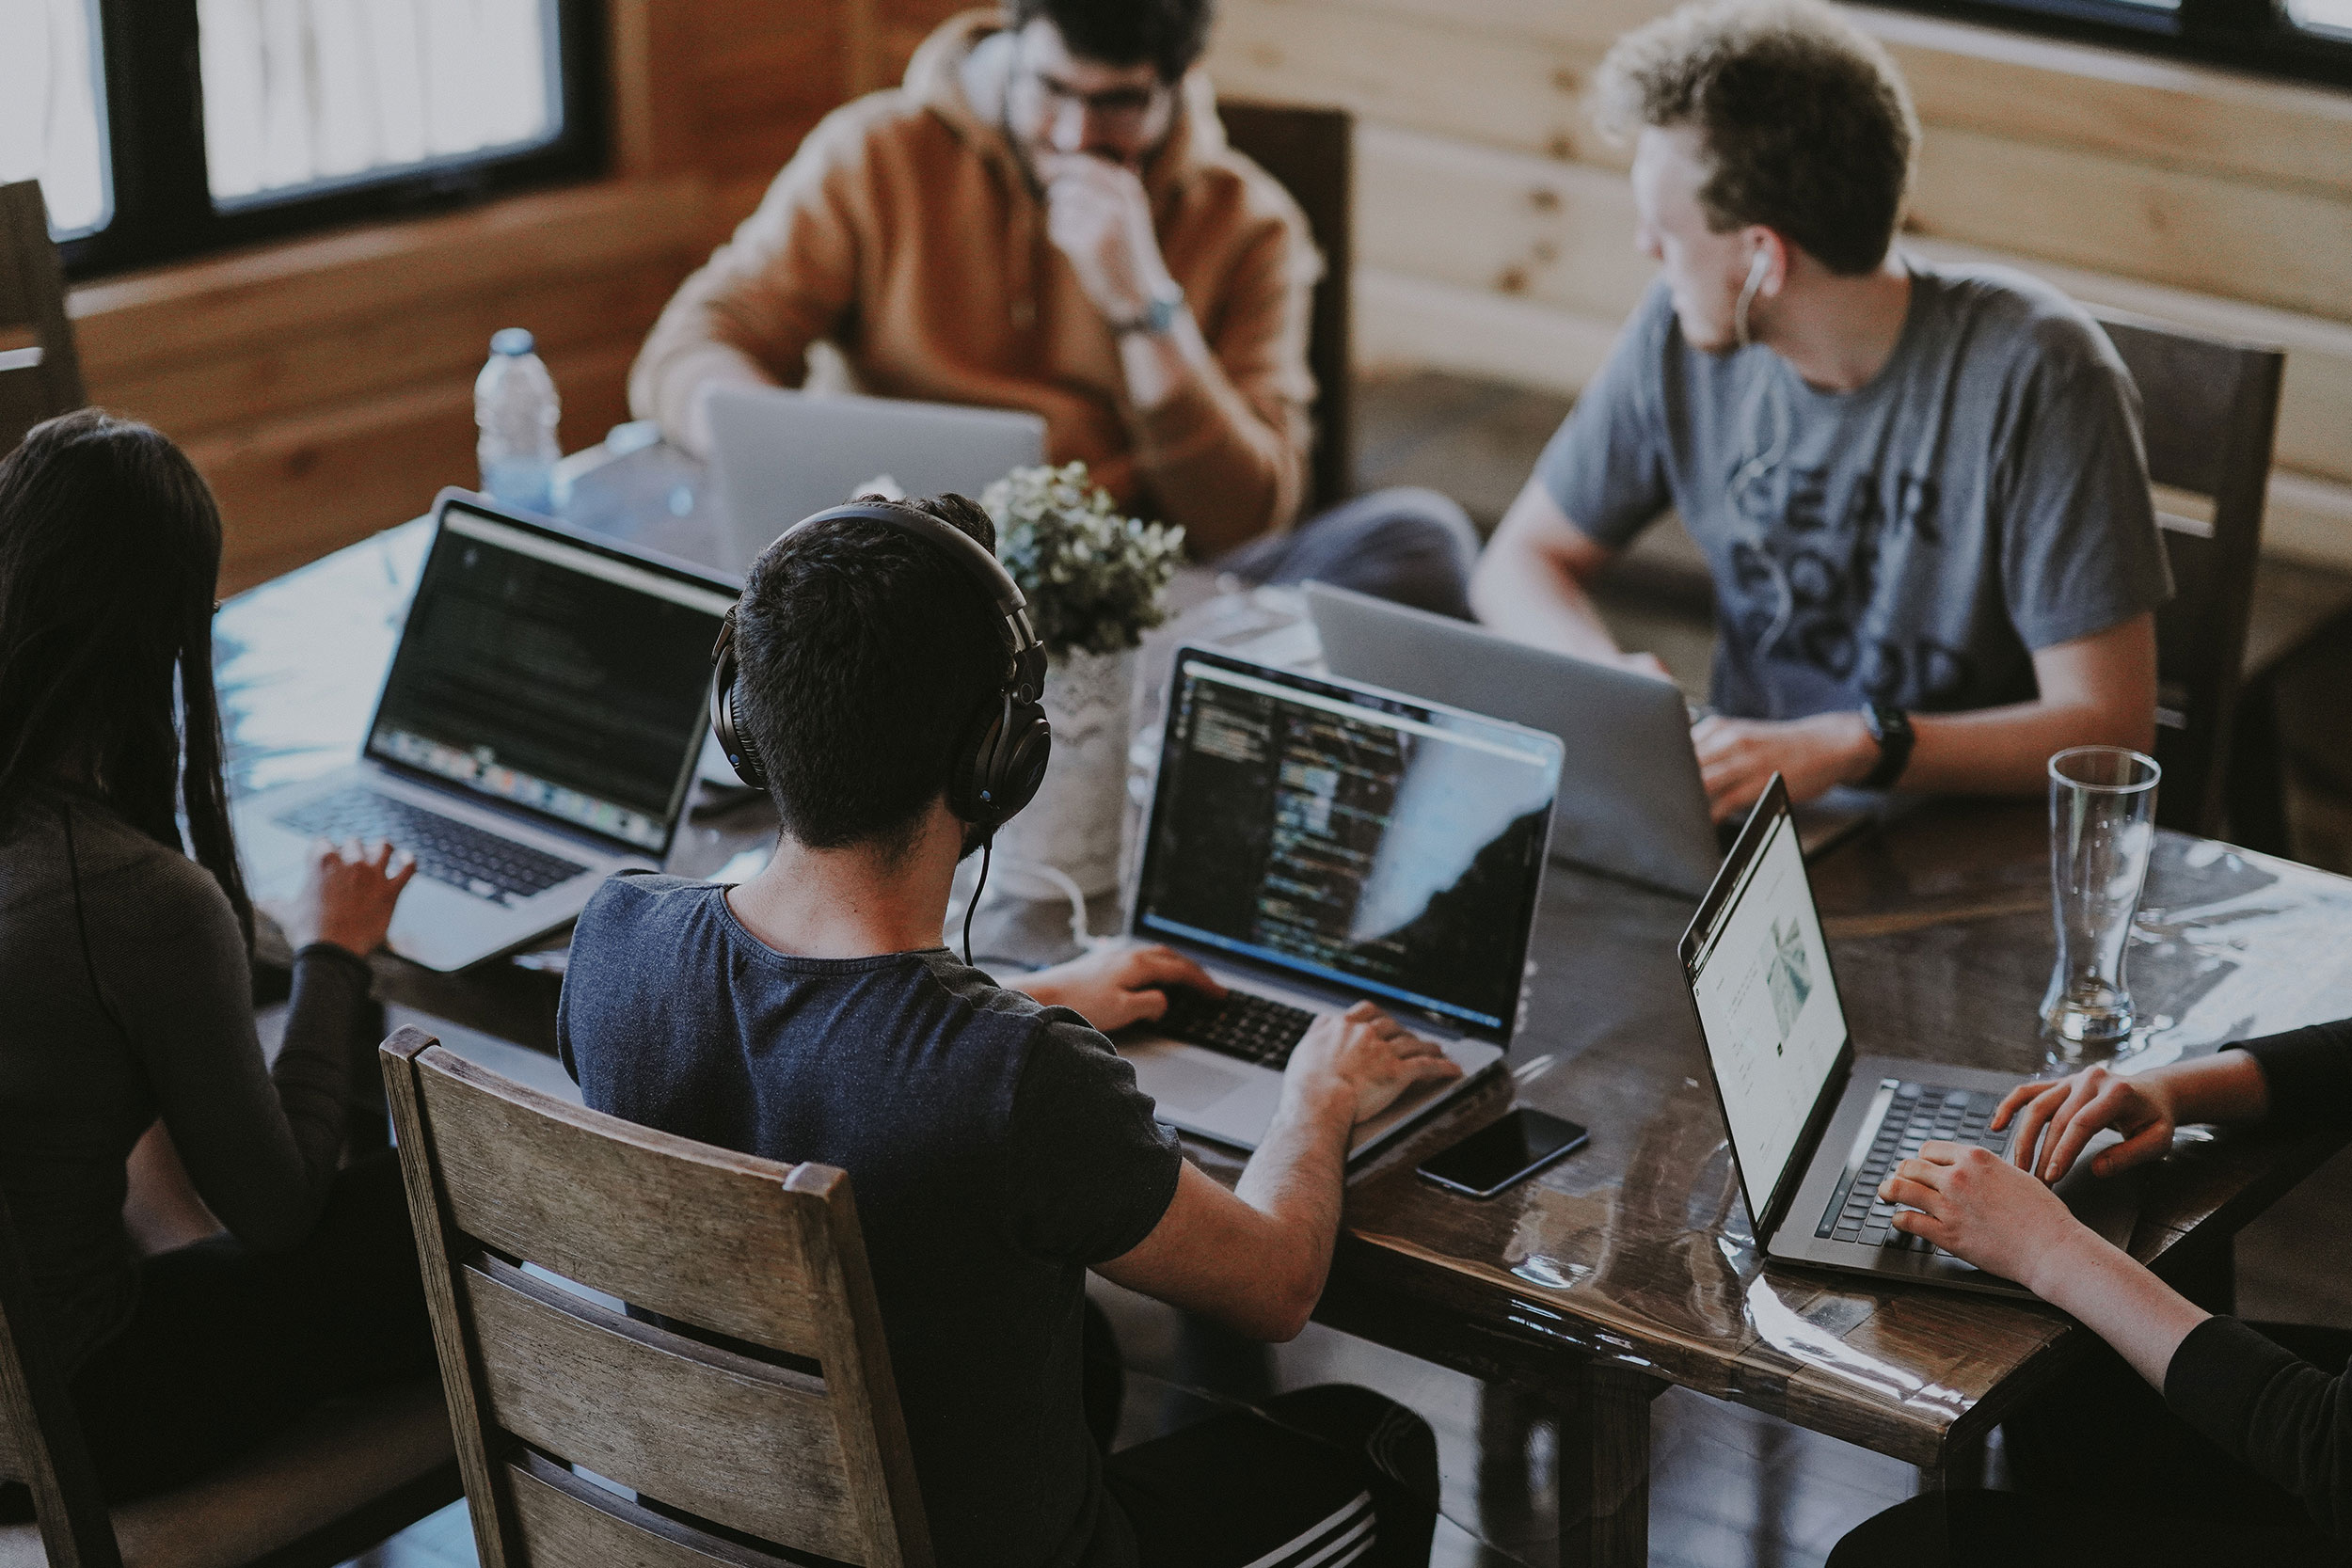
<point x="39" y="375"/>
<point x="1311" y="152"/>
<point x="2210" y="408"/>
<point x="706" y="1384"/>
<point x="337" y="1484"/>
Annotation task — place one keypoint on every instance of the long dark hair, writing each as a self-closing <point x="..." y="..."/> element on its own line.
<point x="110" y="551"/>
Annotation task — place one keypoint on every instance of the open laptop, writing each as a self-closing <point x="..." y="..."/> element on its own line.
<point x="1630" y="803"/>
<point x="780" y="455"/>
<point x="1314" y="843"/>
<point x="537" y="732"/>
<point x="1814" y="1128"/>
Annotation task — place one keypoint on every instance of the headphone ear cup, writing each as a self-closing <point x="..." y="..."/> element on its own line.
<point x="1001" y="764"/>
<point x="741" y="755"/>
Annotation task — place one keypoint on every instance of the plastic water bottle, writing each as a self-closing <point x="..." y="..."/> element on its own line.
<point x="516" y="407"/>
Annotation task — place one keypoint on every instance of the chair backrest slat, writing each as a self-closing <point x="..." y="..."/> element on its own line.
<point x="740" y="1383"/>
<point x="40" y="1433"/>
<point x="2209" y="409"/>
<point x="705" y="1429"/>
<point x="40" y="375"/>
<point x="561" y="1521"/>
<point x="1310" y="150"/>
<point x="552" y="1183"/>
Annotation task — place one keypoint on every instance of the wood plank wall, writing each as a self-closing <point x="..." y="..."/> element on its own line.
<point x="325" y="386"/>
<point x="1495" y="227"/>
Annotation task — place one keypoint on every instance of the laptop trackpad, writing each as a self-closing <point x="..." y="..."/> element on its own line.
<point x="1189" y="1083"/>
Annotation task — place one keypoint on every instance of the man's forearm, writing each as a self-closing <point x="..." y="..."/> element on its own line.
<point x="2007" y="750"/>
<point x="1298" y="1179"/>
<point x="1526" y="597"/>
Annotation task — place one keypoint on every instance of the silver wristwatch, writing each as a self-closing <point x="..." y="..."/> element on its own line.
<point x="1159" y="313"/>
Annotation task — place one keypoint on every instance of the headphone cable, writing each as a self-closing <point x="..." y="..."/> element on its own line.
<point x="987" y="848"/>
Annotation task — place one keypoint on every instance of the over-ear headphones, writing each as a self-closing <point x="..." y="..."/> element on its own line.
<point x="1000" y="758"/>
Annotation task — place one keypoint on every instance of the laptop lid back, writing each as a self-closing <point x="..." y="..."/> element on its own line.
<point x="552" y="673"/>
<point x="1349" y="839"/>
<point x="781" y="456"/>
<point x="1630" y="800"/>
<point x="1777" y="1045"/>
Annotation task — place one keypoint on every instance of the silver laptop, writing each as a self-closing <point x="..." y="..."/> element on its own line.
<point x="1814" y="1128"/>
<point x="536" y="732"/>
<point x="1314" y="843"/>
<point x="780" y="457"/>
<point x="1631" y="803"/>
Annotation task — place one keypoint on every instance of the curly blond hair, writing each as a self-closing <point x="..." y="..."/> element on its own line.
<point x="1808" y="124"/>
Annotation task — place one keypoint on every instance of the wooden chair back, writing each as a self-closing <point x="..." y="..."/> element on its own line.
<point x="724" y="1362"/>
<point x="39" y="375"/>
<point x="1311" y="152"/>
<point x="40" y="1437"/>
<point x="2210" y="408"/>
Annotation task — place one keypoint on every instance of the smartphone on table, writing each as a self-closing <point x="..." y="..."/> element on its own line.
<point x="1504" y="1152"/>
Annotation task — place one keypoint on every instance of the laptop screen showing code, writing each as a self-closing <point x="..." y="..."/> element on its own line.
<point x="1391" y="848"/>
<point x="553" y="677"/>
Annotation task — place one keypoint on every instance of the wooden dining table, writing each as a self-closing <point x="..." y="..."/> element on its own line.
<point x="1629" y="1267"/>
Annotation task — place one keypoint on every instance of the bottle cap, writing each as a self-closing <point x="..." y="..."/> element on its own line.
<point x="511" y="341"/>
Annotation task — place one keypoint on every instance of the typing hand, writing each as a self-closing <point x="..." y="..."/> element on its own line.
<point x="1978" y="1207"/>
<point x="1737" y="758"/>
<point x="348" y="892"/>
<point x="2056" y="1120"/>
<point x="1364" y="1058"/>
<point x="1098" y="216"/>
<point x="1114" y="986"/>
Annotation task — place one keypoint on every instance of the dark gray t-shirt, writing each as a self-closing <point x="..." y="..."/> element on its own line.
<point x="995" y="1147"/>
<point x="1912" y="542"/>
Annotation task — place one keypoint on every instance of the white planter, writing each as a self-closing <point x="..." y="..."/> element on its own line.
<point x="1073" y="824"/>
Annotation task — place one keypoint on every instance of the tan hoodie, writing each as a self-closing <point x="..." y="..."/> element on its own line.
<point x="905" y="232"/>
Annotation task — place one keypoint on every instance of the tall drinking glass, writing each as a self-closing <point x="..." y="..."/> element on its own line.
<point x="2103" y="810"/>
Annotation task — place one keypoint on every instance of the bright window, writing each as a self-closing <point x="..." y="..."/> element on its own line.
<point x="302" y="93"/>
<point x="52" y="109"/>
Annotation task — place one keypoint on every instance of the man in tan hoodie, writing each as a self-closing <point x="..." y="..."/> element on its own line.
<point x="1046" y="217"/>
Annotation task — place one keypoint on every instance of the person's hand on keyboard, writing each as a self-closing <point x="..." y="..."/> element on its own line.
<point x="1113" y="987"/>
<point x="1984" y="1211"/>
<point x="1364" y="1058"/>
<point x="348" y="894"/>
<point x="2056" y="1119"/>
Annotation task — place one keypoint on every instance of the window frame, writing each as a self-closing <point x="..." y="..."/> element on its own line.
<point x="160" y="186"/>
<point x="2252" y="36"/>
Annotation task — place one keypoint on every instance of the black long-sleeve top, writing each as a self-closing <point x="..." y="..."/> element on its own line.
<point x="125" y="996"/>
<point x="2285" y="1417"/>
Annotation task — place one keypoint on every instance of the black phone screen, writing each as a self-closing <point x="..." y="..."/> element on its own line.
<point x="1495" y="1156"/>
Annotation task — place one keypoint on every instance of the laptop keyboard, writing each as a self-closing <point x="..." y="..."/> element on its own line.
<point x="1237" y="1023"/>
<point x="1916" y="1113"/>
<point x="465" y="857"/>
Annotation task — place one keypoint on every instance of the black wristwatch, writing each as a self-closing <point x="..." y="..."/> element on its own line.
<point x="1891" y="728"/>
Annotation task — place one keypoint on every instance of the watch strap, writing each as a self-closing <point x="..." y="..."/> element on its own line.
<point x="1159" y="314"/>
<point x="1891" y="728"/>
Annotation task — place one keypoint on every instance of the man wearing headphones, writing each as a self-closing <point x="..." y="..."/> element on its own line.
<point x="1920" y="489"/>
<point x="879" y="674"/>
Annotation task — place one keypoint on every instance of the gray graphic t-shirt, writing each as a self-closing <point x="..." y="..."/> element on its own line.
<point x="1912" y="542"/>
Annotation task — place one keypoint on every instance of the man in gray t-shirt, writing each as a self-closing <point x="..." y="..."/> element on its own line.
<point x="1920" y="490"/>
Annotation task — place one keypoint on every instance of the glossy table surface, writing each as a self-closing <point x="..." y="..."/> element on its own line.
<point x="1634" y="1254"/>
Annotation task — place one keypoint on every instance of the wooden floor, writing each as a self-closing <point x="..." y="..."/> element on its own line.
<point x="1730" y="1488"/>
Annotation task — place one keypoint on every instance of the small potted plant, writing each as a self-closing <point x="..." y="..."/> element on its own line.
<point x="1094" y="581"/>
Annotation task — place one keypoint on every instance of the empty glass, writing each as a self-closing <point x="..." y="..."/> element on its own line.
<point x="2102" y="807"/>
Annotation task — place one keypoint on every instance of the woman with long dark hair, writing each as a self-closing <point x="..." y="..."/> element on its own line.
<point x="126" y="993"/>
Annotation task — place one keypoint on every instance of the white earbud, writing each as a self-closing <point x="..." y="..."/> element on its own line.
<point x="1756" y="269"/>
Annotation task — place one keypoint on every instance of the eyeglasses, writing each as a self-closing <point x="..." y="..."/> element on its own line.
<point x="1114" y="105"/>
